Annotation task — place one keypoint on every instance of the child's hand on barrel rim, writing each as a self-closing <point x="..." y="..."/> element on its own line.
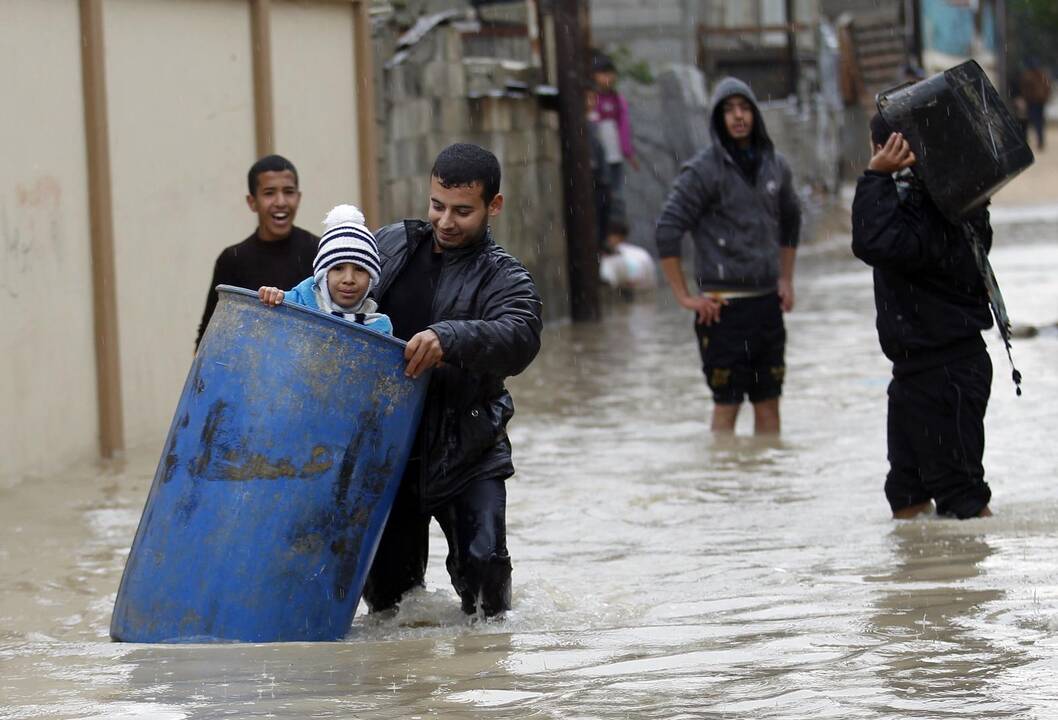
<point x="270" y="295"/>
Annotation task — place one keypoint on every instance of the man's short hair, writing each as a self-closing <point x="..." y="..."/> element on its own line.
<point x="464" y="164"/>
<point x="269" y="163"/>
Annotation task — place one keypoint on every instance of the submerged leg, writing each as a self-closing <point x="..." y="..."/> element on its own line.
<point x="478" y="562"/>
<point x="400" y="561"/>
<point x="766" y="417"/>
<point x="724" y="417"/>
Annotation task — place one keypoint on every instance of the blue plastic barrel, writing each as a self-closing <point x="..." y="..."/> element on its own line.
<point x="280" y="468"/>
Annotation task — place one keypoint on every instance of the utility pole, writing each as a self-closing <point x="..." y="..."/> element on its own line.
<point x="572" y="65"/>
<point x="791" y="51"/>
<point x="1002" y="58"/>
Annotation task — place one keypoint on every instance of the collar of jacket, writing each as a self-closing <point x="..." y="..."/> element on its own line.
<point x="424" y="232"/>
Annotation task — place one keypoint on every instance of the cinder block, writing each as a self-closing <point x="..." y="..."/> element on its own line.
<point x="443" y="79"/>
<point x="519" y="147"/>
<point x="407" y="119"/>
<point x="522" y="111"/>
<point x="550" y="146"/>
<point x="450" y="45"/>
<point x="424" y="115"/>
<point x="478" y="109"/>
<point x="497" y="115"/>
<point x="450" y="115"/>
<point x="457" y="80"/>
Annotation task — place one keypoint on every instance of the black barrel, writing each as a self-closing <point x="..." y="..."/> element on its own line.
<point x="965" y="140"/>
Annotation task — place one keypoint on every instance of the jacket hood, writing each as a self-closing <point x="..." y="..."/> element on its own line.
<point x="726" y="88"/>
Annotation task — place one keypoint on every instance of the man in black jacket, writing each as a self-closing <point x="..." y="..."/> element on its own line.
<point x="471" y="312"/>
<point x="278" y="253"/>
<point x="932" y="306"/>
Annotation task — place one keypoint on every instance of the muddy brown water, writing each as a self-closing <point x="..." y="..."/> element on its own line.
<point x="659" y="573"/>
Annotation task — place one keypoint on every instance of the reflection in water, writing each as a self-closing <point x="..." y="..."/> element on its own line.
<point x="926" y="616"/>
<point x="314" y="679"/>
<point x="658" y="572"/>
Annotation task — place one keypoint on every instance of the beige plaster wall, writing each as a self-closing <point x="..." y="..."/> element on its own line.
<point x="47" y="368"/>
<point x="180" y="96"/>
<point x="314" y="85"/>
<point x="181" y="131"/>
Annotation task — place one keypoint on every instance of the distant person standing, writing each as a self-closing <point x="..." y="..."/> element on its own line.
<point x="277" y="253"/>
<point x="736" y="199"/>
<point x="1035" y="87"/>
<point x="615" y="133"/>
<point x="600" y="175"/>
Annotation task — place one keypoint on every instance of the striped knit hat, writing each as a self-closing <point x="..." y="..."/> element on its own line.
<point x="347" y="240"/>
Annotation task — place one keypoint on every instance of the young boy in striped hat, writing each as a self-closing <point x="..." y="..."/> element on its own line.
<point x="344" y="271"/>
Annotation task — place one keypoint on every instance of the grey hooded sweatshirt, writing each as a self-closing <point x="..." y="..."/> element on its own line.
<point x="737" y="224"/>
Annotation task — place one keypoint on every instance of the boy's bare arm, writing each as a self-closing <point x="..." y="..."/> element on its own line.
<point x="707" y="309"/>
<point x="787" y="259"/>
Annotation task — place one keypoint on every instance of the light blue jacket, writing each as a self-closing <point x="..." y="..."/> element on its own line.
<point x="305" y="294"/>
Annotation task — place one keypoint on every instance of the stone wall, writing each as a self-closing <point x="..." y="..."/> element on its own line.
<point x="431" y="95"/>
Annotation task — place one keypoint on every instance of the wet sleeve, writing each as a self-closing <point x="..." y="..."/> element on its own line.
<point x="789" y="210"/>
<point x="684" y="206"/>
<point x="295" y="296"/>
<point x="507" y="338"/>
<point x="884" y="232"/>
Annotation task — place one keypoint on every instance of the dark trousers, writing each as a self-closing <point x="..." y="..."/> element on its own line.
<point x="474" y="523"/>
<point x="937" y="437"/>
<point x="617" y="215"/>
<point x="744" y="353"/>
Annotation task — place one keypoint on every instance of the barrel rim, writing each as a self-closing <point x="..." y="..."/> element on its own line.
<point x="231" y="289"/>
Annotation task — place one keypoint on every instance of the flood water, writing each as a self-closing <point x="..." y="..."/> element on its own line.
<point x="659" y="573"/>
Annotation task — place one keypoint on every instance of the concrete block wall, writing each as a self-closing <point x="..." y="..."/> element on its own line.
<point x="435" y="97"/>
<point x="657" y="31"/>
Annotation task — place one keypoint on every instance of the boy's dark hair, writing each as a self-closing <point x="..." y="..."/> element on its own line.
<point x="464" y="164"/>
<point x="600" y="62"/>
<point x="269" y="163"/>
<point x="880" y="130"/>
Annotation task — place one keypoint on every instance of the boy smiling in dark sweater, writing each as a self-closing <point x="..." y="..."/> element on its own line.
<point x="278" y="253"/>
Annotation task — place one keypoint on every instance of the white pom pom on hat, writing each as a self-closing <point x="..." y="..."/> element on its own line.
<point x="347" y="239"/>
<point x="341" y="214"/>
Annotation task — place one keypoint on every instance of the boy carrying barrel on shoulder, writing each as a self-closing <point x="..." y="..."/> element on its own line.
<point x="932" y="305"/>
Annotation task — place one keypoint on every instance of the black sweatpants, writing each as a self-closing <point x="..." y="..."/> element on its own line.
<point x="937" y="437"/>
<point x="474" y="523"/>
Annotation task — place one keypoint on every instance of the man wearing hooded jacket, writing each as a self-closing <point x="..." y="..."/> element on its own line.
<point x="737" y="201"/>
<point x="471" y="313"/>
